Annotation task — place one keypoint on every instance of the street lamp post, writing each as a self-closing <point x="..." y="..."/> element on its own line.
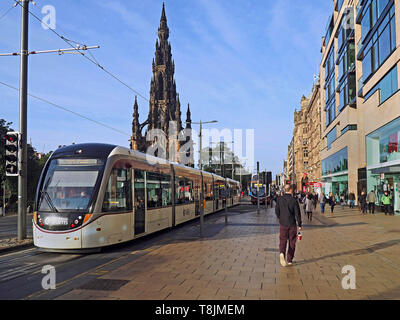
<point x="202" y="182"/>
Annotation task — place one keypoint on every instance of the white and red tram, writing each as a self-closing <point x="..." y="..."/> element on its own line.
<point x="94" y="195"/>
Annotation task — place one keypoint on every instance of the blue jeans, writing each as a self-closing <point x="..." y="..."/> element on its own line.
<point x="322" y="207"/>
<point x="351" y="203"/>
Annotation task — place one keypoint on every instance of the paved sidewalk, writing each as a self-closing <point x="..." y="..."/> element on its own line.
<point x="241" y="261"/>
<point x="9" y="232"/>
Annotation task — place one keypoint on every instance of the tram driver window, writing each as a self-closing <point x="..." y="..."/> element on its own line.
<point x="118" y="195"/>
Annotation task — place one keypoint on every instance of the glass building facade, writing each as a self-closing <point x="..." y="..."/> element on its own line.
<point x="335" y="174"/>
<point x="383" y="162"/>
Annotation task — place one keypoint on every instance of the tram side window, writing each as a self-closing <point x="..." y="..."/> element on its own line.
<point x="159" y="193"/>
<point x="196" y="190"/>
<point x="189" y="197"/>
<point x="166" y="190"/>
<point x="179" y="190"/>
<point x="184" y="190"/>
<point x="216" y="187"/>
<point x="118" y="195"/>
<point x="208" y="191"/>
<point x="153" y="185"/>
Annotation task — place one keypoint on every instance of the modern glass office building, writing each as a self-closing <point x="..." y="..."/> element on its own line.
<point x="379" y="55"/>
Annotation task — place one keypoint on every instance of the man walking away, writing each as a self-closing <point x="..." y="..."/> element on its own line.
<point x="363" y="203"/>
<point x="371" y="199"/>
<point x="309" y="206"/>
<point x="352" y="198"/>
<point x="322" y="201"/>
<point x="342" y="201"/>
<point x="386" y="199"/>
<point x="332" y="201"/>
<point x="287" y="210"/>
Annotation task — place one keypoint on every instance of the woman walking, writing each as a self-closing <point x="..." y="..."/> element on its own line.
<point x="332" y="201"/>
<point x="309" y="206"/>
<point x="342" y="202"/>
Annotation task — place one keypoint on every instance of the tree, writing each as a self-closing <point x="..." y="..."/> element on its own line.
<point x="35" y="167"/>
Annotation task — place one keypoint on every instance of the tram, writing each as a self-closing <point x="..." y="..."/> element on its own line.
<point x="95" y="195"/>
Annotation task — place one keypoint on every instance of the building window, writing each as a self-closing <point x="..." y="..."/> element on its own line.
<point x="347" y="93"/>
<point x="336" y="163"/>
<point x="387" y="86"/>
<point x="349" y="128"/>
<point x="345" y="34"/>
<point x="305" y="141"/>
<point x="330" y="112"/>
<point x="329" y="30"/>
<point x="331" y="136"/>
<point x="381" y="45"/>
<point x="371" y="14"/>
<point x="347" y="60"/>
<point x="339" y="5"/>
<point x="305" y="165"/>
<point x="383" y="145"/>
<point x="305" y="153"/>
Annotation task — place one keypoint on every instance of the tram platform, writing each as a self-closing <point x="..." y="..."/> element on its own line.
<point x="240" y="260"/>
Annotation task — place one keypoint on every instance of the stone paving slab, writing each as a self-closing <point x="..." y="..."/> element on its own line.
<point x="241" y="261"/>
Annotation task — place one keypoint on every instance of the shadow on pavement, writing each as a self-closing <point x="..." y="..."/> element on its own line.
<point x="389" y="294"/>
<point x="367" y="250"/>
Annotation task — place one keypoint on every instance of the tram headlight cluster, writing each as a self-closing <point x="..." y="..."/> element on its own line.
<point x="51" y="221"/>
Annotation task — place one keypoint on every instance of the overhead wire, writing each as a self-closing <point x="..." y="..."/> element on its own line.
<point x="7" y="11"/>
<point x="66" y="109"/>
<point x="89" y="59"/>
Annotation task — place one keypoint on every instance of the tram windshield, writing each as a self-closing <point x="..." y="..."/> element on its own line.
<point x="69" y="184"/>
<point x="261" y="192"/>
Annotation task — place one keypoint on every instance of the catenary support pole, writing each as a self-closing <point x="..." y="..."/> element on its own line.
<point x="23" y="104"/>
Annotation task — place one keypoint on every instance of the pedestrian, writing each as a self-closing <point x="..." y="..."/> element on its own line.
<point x="371" y="199"/>
<point x="315" y="200"/>
<point x="287" y="211"/>
<point x="352" y="198"/>
<point x="386" y="201"/>
<point x="363" y="203"/>
<point x="322" y="201"/>
<point x="309" y="206"/>
<point x="332" y="201"/>
<point x="342" y="201"/>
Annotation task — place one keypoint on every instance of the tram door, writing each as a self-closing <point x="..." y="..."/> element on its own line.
<point x="140" y="201"/>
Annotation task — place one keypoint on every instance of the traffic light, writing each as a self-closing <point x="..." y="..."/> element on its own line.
<point x="11" y="156"/>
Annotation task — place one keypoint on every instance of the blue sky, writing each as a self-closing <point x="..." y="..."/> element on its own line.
<point x="244" y="63"/>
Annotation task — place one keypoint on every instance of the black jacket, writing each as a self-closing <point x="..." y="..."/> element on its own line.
<point x="287" y="211"/>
